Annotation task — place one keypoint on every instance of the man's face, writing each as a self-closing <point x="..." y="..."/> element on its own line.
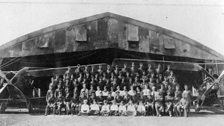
<point x="141" y="65"/>
<point x="60" y="94"/>
<point x="186" y="87"/>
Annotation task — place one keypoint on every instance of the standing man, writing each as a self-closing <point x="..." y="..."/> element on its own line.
<point x="186" y="95"/>
<point x="50" y="101"/>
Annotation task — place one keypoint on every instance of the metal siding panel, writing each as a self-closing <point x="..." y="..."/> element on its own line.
<point x="81" y="33"/>
<point x="44" y="41"/>
<point x="70" y="39"/>
<point x="59" y="42"/>
<point x="169" y="43"/>
<point x="154" y="42"/>
<point x="113" y="30"/>
<point x="102" y="29"/>
<point x="92" y="31"/>
<point x="144" y="39"/>
<point x="132" y="33"/>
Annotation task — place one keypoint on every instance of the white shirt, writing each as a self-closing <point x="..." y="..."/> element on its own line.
<point x="131" y="108"/>
<point x="122" y="108"/>
<point x="131" y="92"/>
<point x="105" y="108"/>
<point x="146" y="92"/>
<point x="105" y="93"/>
<point x="98" y="93"/>
<point x="114" y="108"/>
<point x="85" y="108"/>
<point x="122" y="93"/>
<point x="141" y="108"/>
<point x="94" y="107"/>
<point x="113" y="94"/>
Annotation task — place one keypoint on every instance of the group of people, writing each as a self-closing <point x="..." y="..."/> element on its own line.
<point x="137" y="90"/>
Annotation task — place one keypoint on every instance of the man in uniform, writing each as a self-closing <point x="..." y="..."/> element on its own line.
<point x="60" y="103"/>
<point x="122" y="109"/>
<point x="75" y="106"/>
<point x="169" y="103"/>
<point x="84" y="108"/>
<point x="105" y="110"/>
<point x="94" y="108"/>
<point x="131" y="109"/>
<point x="50" y="101"/>
<point x="186" y="95"/>
<point x="114" y="108"/>
<point x="141" y="111"/>
<point x="159" y="101"/>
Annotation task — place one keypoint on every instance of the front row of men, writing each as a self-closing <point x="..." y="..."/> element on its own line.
<point x="143" y="107"/>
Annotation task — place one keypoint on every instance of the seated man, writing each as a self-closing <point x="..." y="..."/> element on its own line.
<point x="110" y="98"/>
<point x="105" y="110"/>
<point x="149" y="105"/>
<point x="132" y="92"/>
<point x="126" y="98"/>
<point x="100" y="99"/>
<point x="141" y="111"/>
<point x="50" y="101"/>
<point x="105" y="92"/>
<point x="169" y="103"/>
<point x="177" y="97"/>
<point x="158" y="102"/>
<point x="131" y="109"/>
<point x="60" y="103"/>
<point x="98" y="91"/>
<point x="114" y="108"/>
<point x="94" y="109"/>
<point x="146" y="92"/>
<point x="91" y="98"/>
<point x="84" y="108"/>
<point x="182" y="106"/>
<point x="74" y="104"/>
<point x="122" y="109"/>
<point x="118" y="98"/>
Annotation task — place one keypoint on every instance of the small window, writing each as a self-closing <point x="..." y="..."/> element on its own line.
<point x="132" y="33"/>
<point x="81" y="34"/>
<point x="169" y="43"/>
<point x="44" y="40"/>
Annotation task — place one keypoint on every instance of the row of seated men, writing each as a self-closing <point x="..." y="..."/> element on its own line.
<point x="147" y="101"/>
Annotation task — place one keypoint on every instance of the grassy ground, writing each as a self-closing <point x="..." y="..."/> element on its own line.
<point x="204" y="118"/>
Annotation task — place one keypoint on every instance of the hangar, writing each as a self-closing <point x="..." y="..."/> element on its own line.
<point x="111" y="39"/>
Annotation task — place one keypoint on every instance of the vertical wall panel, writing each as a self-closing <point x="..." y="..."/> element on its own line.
<point x="144" y="39"/>
<point x="81" y="33"/>
<point x="70" y="39"/>
<point x="45" y="41"/>
<point x="154" y="41"/>
<point x="169" y="43"/>
<point x="59" y="42"/>
<point x="102" y="29"/>
<point x="132" y="31"/>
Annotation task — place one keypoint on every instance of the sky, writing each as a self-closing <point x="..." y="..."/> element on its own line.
<point x="201" y="20"/>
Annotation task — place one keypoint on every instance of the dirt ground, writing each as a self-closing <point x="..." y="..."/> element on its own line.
<point x="204" y="118"/>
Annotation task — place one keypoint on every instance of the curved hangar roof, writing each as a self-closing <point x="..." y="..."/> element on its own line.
<point x="107" y="30"/>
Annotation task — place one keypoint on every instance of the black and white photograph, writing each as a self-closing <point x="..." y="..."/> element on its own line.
<point x="111" y="62"/>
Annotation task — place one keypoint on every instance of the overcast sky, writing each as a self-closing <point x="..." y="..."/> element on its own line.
<point x="201" y="20"/>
